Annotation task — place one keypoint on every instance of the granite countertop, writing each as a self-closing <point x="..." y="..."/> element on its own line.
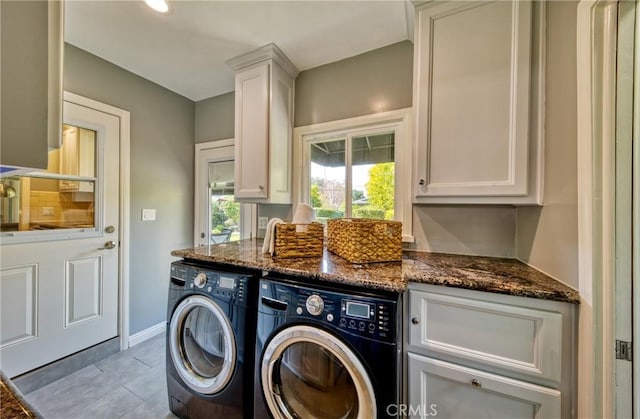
<point x="497" y="275"/>
<point x="12" y="404"/>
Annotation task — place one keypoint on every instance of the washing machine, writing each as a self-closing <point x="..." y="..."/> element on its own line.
<point x="326" y="351"/>
<point x="211" y="321"/>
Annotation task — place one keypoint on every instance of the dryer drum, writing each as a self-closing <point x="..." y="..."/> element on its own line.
<point x="308" y="372"/>
<point x="202" y="345"/>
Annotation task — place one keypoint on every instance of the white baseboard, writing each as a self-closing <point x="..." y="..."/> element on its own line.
<point x="146" y="334"/>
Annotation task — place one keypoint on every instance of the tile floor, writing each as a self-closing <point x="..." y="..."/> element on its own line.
<point x="130" y="384"/>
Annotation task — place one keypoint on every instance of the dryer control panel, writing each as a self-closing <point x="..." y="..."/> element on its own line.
<point x="357" y="314"/>
<point x="219" y="284"/>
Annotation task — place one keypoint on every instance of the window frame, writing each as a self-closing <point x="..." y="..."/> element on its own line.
<point x="398" y="121"/>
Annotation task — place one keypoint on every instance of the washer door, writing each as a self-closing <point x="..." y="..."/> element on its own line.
<point x="202" y="344"/>
<point x="309" y="373"/>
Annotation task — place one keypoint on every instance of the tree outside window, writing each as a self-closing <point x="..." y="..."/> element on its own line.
<point x="371" y="175"/>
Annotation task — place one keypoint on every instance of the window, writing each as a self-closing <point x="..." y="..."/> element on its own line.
<point x="353" y="176"/>
<point x="224" y="212"/>
<point x="351" y="168"/>
<point x="218" y="217"/>
<point x="61" y="197"/>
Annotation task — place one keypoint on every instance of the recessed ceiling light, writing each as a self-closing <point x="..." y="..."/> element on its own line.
<point x="158" y="5"/>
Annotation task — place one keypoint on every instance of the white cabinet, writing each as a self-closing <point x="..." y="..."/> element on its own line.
<point x="478" y="85"/>
<point x="452" y="391"/>
<point x="31" y="87"/>
<point x="477" y="354"/>
<point x="263" y="125"/>
<point x="77" y="158"/>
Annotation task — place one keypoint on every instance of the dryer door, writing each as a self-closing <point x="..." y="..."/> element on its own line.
<point x="309" y="373"/>
<point x="202" y="344"/>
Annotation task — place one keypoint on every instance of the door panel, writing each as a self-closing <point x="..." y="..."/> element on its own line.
<point x="59" y="279"/>
<point x="83" y="279"/>
<point x="18" y="295"/>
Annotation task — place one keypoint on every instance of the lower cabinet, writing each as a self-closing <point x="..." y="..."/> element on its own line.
<point x="473" y="354"/>
<point x="446" y="390"/>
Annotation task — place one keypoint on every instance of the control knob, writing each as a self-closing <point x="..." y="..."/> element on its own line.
<point x="315" y="305"/>
<point x="200" y="280"/>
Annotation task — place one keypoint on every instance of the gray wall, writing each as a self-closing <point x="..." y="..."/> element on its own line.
<point x="162" y="135"/>
<point x="547" y="237"/>
<point x="214" y="118"/>
<point x="469" y="230"/>
<point x="376" y="81"/>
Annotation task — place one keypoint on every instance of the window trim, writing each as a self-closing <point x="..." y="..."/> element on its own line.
<point x="399" y="121"/>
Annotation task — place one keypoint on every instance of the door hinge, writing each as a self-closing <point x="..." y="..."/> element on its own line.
<point x="623" y="350"/>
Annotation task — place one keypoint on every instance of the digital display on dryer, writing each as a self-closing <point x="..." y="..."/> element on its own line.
<point x="228" y="283"/>
<point x="358" y="310"/>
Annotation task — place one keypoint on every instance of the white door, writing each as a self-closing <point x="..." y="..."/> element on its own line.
<point x="59" y="256"/>
<point x="218" y="218"/>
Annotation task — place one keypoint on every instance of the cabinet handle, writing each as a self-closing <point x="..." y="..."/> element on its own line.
<point x="421" y="182"/>
<point x="476" y="383"/>
<point x="261" y="187"/>
<point x="415" y="320"/>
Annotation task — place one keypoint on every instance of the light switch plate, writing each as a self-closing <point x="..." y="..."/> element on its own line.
<point x="262" y="222"/>
<point x="148" y="214"/>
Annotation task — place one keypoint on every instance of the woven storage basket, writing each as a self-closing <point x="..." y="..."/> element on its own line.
<point x="291" y="243"/>
<point x="360" y="240"/>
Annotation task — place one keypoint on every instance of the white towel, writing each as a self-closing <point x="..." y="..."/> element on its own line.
<point x="268" y="246"/>
<point x="304" y="214"/>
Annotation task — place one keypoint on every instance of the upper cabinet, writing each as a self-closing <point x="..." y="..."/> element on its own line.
<point x="31" y="83"/>
<point x="263" y="125"/>
<point x="478" y="97"/>
<point x="77" y="158"/>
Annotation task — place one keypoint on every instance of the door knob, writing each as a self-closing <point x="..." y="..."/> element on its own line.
<point x="108" y="245"/>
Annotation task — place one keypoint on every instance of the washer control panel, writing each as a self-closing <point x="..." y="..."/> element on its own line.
<point x="359" y="315"/>
<point x="220" y="284"/>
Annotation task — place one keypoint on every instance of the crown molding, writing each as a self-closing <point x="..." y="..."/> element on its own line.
<point x="264" y="53"/>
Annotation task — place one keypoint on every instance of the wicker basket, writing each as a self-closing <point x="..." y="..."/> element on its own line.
<point x="360" y="240"/>
<point x="299" y="240"/>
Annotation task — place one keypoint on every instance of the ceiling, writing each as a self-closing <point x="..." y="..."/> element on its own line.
<point x="185" y="50"/>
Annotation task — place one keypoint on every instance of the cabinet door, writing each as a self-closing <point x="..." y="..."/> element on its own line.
<point x="32" y="46"/>
<point x="77" y="158"/>
<point x="252" y="132"/>
<point x="530" y="340"/>
<point x="445" y="390"/>
<point x="472" y="81"/>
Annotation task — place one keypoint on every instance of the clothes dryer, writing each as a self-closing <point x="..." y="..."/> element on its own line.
<point x="326" y="351"/>
<point x="210" y="341"/>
